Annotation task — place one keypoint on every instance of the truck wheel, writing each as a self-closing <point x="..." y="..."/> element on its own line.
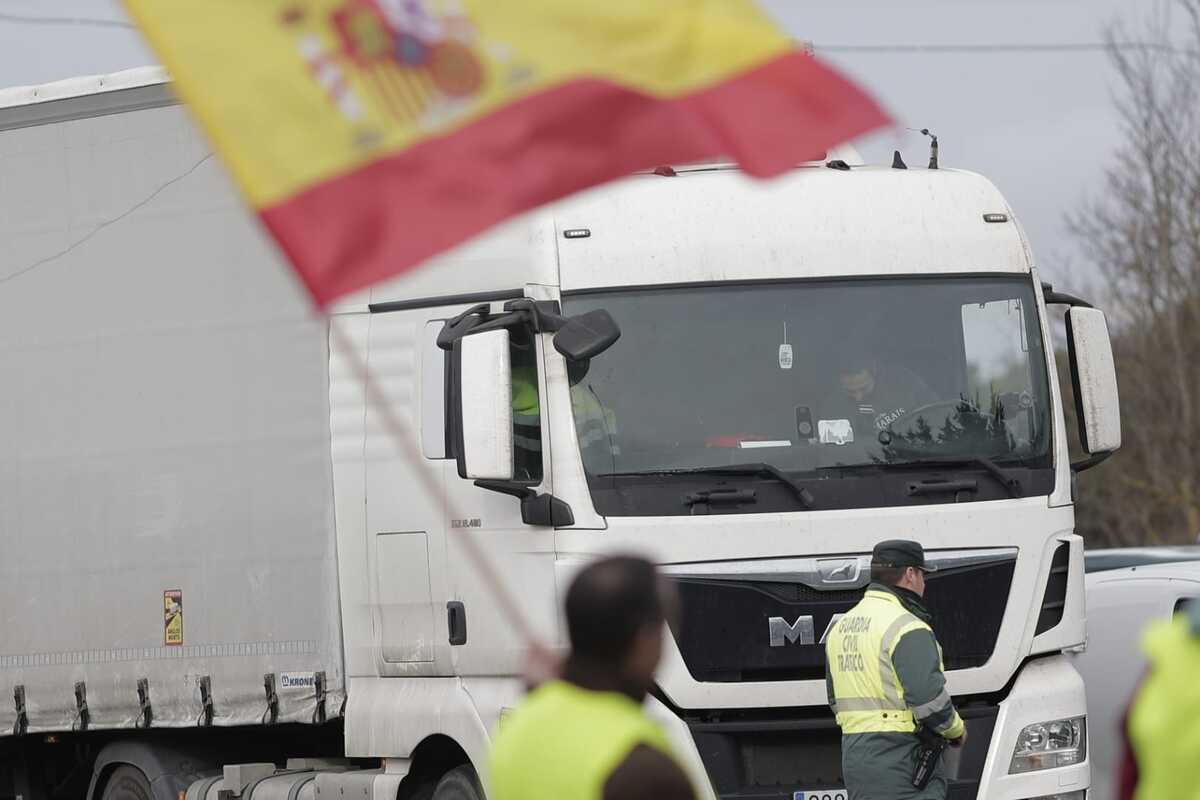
<point x="460" y="783"/>
<point x="127" y="783"/>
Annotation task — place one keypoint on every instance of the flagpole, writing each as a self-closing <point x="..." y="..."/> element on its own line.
<point x="401" y="435"/>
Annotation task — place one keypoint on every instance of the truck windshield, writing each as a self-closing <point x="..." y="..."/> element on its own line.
<point x="815" y="376"/>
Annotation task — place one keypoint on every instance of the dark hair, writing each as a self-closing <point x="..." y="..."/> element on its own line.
<point x="608" y="603"/>
<point x="887" y="575"/>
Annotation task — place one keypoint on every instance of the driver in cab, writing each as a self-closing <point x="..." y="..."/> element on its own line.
<point x="872" y="395"/>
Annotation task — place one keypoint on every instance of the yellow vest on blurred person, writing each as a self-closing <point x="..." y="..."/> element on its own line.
<point x="564" y="742"/>
<point x="1164" y="724"/>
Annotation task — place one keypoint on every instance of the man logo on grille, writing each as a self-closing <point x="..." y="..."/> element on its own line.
<point x="802" y="631"/>
<point x="784" y="633"/>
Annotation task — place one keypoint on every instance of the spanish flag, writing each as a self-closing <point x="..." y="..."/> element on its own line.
<point x="370" y="135"/>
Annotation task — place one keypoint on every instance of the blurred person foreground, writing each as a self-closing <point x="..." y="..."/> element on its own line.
<point x="585" y="734"/>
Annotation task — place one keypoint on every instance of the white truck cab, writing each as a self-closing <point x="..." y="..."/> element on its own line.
<point x="804" y="367"/>
<point x="752" y="383"/>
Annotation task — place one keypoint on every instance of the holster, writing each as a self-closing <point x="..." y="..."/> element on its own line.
<point x="929" y="752"/>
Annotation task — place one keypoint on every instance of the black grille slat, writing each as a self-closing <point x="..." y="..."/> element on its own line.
<point x="724" y="635"/>
<point x="1054" y="599"/>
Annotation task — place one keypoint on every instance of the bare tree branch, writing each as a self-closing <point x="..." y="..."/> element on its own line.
<point x="1144" y="236"/>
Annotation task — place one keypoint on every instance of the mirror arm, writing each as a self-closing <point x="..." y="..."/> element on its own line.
<point x="521" y="491"/>
<point x="1054" y="298"/>
<point x="1087" y="463"/>
<point x="460" y="326"/>
<point x="541" y="317"/>
<point x="544" y="316"/>
<point x="454" y="329"/>
<point x="543" y="510"/>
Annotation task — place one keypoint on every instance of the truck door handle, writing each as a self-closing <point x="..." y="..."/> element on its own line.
<point x="456" y="621"/>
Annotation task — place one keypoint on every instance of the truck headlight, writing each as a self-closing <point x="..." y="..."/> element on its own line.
<point x="1045" y="745"/>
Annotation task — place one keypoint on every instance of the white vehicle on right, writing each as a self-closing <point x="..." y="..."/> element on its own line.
<point x="1127" y="589"/>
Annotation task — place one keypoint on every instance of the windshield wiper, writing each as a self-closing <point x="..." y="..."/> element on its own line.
<point x="802" y="494"/>
<point x="1011" y="484"/>
<point x="711" y="497"/>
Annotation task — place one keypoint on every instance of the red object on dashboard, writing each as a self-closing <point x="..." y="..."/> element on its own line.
<point x="733" y="439"/>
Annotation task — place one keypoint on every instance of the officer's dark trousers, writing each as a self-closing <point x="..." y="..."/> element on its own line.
<point x="879" y="766"/>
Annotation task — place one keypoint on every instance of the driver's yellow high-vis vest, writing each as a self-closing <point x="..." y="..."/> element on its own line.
<point x="868" y="696"/>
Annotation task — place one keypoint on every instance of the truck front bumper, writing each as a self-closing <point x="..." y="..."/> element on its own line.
<point x="769" y="754"/>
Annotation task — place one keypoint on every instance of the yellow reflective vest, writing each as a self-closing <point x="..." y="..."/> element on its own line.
<point x="1164" y="723"/>
<point x="564" y="742"/>
<point x="527" y="411"/>
<point x="868" y="696"/>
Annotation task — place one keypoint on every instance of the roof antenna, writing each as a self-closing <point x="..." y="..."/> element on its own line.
<point x="897" y="161"/>
<point x="933" y="150"/>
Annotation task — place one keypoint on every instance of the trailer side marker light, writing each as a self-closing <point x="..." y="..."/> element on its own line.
<point x="577" y="233"/>
<point x="995" y="217"/>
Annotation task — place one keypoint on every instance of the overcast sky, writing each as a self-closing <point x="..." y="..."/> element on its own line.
<point x="1039" y="124"/>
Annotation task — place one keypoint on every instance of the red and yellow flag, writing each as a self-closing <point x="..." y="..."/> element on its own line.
<point x="371" y="134"/>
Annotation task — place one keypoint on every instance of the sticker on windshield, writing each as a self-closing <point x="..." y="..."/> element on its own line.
<point x="835" y="431"/>
<point x="785" y="351"/>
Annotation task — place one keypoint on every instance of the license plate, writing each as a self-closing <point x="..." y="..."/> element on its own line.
<point x="820" y="794"/>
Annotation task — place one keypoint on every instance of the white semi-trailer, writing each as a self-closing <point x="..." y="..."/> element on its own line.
<point x="213" y="554"/>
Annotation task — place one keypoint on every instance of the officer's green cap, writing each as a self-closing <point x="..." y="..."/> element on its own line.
<point x="900" y="553"/>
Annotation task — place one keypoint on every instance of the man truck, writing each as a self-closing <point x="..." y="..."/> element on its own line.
<point x="222" y="578"/>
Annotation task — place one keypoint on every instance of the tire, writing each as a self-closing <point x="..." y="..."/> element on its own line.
<point x="127" y="783"/>
<point x="424" y="791"/>
<point x="460" y="783"/>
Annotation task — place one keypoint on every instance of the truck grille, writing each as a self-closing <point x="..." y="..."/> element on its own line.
<point x="751" y="756"/>
<point x="725" y="633"/>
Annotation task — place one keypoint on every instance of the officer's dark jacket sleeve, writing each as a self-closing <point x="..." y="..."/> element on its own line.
<point x="917" y="664"/>
<point x="648" y="774"/>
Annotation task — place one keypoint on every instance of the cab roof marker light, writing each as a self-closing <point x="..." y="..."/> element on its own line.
<point x="995" y="217"/>
<point x="577" y="233"/>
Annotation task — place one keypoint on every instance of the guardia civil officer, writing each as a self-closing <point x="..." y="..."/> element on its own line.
<point x="884" y="679"/>
<point x="585" y="736"/>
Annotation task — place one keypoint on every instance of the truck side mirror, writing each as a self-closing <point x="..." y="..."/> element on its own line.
<point x="482" y="404"/>
<point x="587" y="335"/>
<point x="1094" y="379"/>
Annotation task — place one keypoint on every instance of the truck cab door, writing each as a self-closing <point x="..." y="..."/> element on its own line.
<point x="522" y="553"/>
<point x="405" y="528"/>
